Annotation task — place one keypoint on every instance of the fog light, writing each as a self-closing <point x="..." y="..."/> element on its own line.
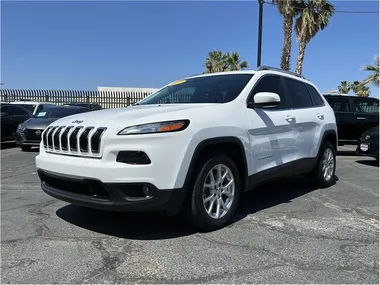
<point x="147" y="192"/>
<point x="133" y="157"/>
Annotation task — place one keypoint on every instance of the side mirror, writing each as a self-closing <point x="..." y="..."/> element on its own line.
<point x="3" y="114"/>
<point x="264" y="99"/>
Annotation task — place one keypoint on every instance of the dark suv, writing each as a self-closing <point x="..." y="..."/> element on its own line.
<point x="354" y="115"/>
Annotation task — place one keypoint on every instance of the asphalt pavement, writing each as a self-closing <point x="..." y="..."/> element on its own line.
<point x="286" y="232"/>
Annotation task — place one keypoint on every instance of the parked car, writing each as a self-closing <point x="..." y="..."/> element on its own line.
<point x="32" y="106"/>
<point x="91" y="106"/>
<point x="368" y="143"/>
<point x="216" y="136"/>
<point x="28" y="133"/>
<point x="11" y="117"/>
<point x="354" y="115"/>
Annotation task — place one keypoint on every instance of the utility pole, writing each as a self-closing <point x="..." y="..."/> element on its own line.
<point x="260" y="33"/>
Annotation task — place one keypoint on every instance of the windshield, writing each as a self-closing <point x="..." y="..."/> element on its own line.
<point x="205" y="89"/>
<point x="29" y="107"/>
<point x="59" y="112"/>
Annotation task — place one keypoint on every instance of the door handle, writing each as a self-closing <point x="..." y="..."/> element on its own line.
<point x="360" y="118"/>
<point x="320" y="116"/>
<point x="289" y="118"/>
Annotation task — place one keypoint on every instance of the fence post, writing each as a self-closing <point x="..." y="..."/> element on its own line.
<point x="46" y="95"/>
<point x="128" y="100"/>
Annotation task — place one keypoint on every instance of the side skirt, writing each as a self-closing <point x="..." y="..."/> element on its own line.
<point x="300" y="166"/>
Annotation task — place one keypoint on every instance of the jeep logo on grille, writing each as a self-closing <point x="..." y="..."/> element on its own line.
<point x="77" y="122"/>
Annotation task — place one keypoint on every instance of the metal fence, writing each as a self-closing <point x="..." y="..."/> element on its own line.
<point x="107" y="99"/>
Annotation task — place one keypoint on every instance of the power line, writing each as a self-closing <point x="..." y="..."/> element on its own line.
<point x="337" y="11"/>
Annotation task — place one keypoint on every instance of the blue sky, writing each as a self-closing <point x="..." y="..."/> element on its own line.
<point x="82" y="45"/>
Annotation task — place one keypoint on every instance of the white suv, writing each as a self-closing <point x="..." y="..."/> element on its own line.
<point x="193" y="146"/>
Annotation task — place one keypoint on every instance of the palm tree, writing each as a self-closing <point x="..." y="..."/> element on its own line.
<point x="315" y="16"/>
<point x="289" y="9"/>
<point x="374" y="77"/>
<point x="344" y="87"/>
<point x="355" y="86"/>
<point x="217" y="61"/>
<point x="363" y="91"/>
<point x="233" y="62"/>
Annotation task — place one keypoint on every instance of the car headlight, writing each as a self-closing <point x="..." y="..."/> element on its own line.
<point x="20" y="128"/>
<point x="158" y="127"/>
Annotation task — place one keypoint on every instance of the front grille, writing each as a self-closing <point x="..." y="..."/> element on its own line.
<point x="73" y="140"/>
<point x="32" y="135"/>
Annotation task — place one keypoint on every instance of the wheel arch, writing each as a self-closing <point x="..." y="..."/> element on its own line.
<point x="227" y="144"/>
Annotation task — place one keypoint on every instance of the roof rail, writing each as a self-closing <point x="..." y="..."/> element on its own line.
<point x="264" y="67"/>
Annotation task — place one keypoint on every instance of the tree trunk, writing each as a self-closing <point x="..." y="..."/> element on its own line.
<point x="287" y="44"/>
<point x="301" y="55"/>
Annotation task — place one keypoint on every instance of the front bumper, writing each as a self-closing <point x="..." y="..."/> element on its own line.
<point x="368" y="148"/>
<point x="93" y="193"/>
<point x="25" y="138"/>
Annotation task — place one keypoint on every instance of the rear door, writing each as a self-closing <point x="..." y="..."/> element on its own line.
<point x="308" y="118"/>
<point x="345" y="117"/>
<point x="366" y="112"/>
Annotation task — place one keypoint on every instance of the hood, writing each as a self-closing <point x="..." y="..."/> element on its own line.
<point x="38" y="123"/>
<point x="123" y="117"/>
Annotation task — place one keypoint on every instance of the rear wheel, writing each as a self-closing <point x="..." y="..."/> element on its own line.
<point x="25" y="147"/>
<point x="215" y="194"/>
<point x="324" y="172"/>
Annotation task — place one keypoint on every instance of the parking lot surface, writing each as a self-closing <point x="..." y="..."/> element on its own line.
<point x="286" y="232"/>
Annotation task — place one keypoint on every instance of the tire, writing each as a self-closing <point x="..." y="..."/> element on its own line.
<point x="194" y="208"/>
<point x="25" y="147"/>
<point x="317" y="175"/>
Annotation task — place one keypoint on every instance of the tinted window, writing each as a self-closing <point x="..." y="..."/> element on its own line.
<point x="207" y="89"/>
<point x="13" y="110"/>
<point x="366" y="106"/>
<point x="59" y="112"/>
<point x="29" y="107"/>
<point x="315" y="95"/>
<point x="299" y="93"/>
<point x="270" y="83"/>
<point x="339" y="104"/>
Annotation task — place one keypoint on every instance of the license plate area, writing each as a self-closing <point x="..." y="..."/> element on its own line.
<point x="364" y="147"/>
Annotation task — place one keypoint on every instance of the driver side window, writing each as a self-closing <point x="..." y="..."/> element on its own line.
<point x="270" y="83"/>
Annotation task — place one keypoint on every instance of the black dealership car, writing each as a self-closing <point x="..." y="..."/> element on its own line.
<point x="368" y="143"/>
<point x="11" y="117"/>
<point x="28" y="133"/>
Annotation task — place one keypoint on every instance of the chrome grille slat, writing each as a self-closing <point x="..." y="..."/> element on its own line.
<point x="74" y="139"/>
<point x="85" y="141"/>
<point x="65" y="139"/>
<point x="56" y="138"/>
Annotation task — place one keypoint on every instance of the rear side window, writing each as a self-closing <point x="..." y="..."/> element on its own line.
<point x="339" y="104"/>
<point x="298" y="92"/>
<point x="270" y="83"/>
<point x="366" y="106"/>
<point x="315" y="96"/>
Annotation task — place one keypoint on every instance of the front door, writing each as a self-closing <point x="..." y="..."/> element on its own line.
<point x="271" y="129"/>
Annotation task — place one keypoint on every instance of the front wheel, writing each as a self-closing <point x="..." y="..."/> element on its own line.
<point x="324" y="171"/>
<point x="25" y="147"/>
<point x="215" y="193"/>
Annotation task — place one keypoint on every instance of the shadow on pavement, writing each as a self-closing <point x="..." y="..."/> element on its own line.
<point x="368" y="162"/>
<point x="7" y="145"/>
<point x="150" y="226"/>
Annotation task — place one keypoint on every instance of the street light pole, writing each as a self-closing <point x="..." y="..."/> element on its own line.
<point x="260" y="33"/>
